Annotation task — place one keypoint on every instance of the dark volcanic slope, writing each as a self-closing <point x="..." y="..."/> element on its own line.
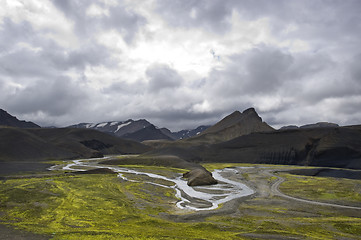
<point x="331" y="147"/>
<point x="23" y="145"/>
<point x="328" y="147"/>
<point x="61" y="143"/>
<point x="8" y="120"/>
<point x="232" y="126"/>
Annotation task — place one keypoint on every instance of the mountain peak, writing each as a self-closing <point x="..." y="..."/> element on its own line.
<point x="7" y="119"/>
<point x="250" y="111"/>
<point x="234" y="125"/>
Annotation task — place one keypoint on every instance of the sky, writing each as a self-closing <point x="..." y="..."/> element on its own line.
<point x="180" y="63"/>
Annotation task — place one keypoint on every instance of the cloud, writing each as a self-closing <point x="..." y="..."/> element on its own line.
<point x="162" y="77"/>
<point x="180" y="63"/>
<point x="115" y="16"/>
<point x="51" y="97"/>
<point x="211" y="15"/>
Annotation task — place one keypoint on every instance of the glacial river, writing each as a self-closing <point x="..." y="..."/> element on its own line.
<point x="194" y="198"/>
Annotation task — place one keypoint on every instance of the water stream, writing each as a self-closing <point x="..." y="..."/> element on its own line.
<point x="194" y="198"/>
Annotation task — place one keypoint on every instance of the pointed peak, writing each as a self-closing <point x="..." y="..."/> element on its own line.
<point x="235" y="113"/>
<point x="250" y="110"/>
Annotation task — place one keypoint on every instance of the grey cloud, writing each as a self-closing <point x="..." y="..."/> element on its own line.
<point x="285" y="87"/>
<point x="11" y="33"/>
<point x="25" y="64"/>
<point x="316" y="20"/>
<point x="126" y="21"/>
<point x="355" y="69"/>
<point x="260" y="70"/>
<point x="211" y="15"/>
<point x="266" y="69"/>
<point x="178" y="119"/>
<point x="51" y="97"/>
<point x="162" y="77"/>
<point x="89" y="54"/>
<point x="48" y="58"/>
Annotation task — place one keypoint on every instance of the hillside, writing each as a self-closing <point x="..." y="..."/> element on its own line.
<point x="62" y="143"/>
<point x="244" y="138"/>
<point x="328" y="147"/>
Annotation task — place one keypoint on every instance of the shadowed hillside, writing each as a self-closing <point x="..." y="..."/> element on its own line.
<point x="61" y="143"/>
<point x="330" y="147"/>
<point x="8" y="120"/>
<point x="253" y="141"/>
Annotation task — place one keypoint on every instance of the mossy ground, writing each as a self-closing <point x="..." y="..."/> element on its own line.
<point x="102" y="206"/>
<point x="329" y="189"/>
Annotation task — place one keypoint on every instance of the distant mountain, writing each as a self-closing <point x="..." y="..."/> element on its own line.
<point x="8" y="120"/>
<point x="138" y="130"/>
<point x="232" y="126"/>
<point x="314" y="125"/>
<point x="183" y="134"/>
<point x="321" y="125"/>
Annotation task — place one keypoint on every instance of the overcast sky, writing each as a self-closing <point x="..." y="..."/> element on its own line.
<point x="180" y="63"/>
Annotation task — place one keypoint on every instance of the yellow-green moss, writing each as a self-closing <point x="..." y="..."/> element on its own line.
<point x="102" y="206"/>
<point x="323" y="188"/>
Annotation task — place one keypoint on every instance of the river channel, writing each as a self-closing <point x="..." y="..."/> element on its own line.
<point x="197" y="198"/>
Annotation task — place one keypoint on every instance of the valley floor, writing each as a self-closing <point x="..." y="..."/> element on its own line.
<point x="104" y="206"/>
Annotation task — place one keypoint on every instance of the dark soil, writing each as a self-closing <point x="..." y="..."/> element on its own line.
<point x="328" y="172"/>
<point x="8" y="168"/>
<point x="7" y="233"/>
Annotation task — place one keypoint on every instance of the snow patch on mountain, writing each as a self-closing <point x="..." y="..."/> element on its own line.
<point x="113" y="123"/>
<point x="122" y="125"/>
<point x="100" y="125"/>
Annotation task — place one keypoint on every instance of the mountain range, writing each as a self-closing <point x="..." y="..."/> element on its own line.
<point x="239" y="137"/>
<point x="245" y="138"/>
<point x="139" y="130"/>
